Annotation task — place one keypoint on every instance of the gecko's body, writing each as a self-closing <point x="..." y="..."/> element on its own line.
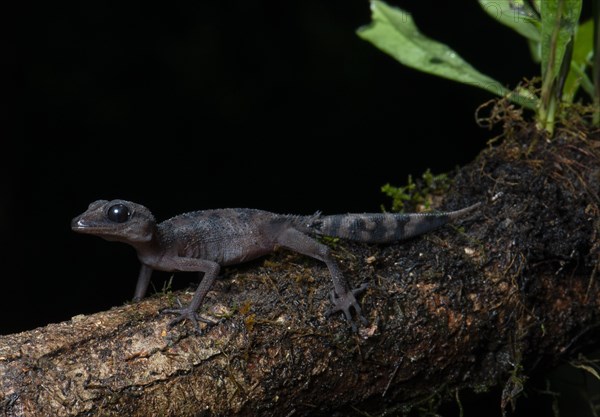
<point x="203" y="241"/>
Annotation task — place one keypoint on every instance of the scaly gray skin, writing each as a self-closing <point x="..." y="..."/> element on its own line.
<point x="203" y="241"/>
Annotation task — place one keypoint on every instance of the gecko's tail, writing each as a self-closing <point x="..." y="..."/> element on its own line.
<point x="382" y="227"/>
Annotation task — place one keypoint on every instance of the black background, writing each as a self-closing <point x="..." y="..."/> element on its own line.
<point x="264" y="104"/>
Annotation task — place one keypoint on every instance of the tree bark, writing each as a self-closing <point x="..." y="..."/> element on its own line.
<point x="513" y="288"/>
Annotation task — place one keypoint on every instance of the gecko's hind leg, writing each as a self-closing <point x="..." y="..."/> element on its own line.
<point x="346" y="303"/>
<point x="342" y="297"/>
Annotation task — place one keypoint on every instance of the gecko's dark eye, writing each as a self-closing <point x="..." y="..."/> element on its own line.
<point x="119" y="213"/>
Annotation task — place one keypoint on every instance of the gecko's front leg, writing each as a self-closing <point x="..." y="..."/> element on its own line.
<point x="211" y="271"/>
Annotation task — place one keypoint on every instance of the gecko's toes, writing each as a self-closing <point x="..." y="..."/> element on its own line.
<point x="359" y="290"/>
<point x="187" y="314"/>
<point x="346" y="303"/>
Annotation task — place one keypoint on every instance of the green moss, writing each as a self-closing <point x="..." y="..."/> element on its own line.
<point x="416" y="194"/>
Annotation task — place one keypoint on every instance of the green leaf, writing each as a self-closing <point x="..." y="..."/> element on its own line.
<point x="588" y="368"/>
<point x="393" y="31"/>
<point x="536" y="51"/>
<point x="559" y="22"/>
<point x="584" y="42"/>
<point x="520" y="16"/>
<point x="582" y="53"/>
<point x="515" y="14"/>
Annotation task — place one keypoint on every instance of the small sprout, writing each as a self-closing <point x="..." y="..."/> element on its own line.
<point x="418" y="193"/>
<point x="167" y="287"/>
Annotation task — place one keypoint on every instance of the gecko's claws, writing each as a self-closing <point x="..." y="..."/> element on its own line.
<point x="346" y="303"/>
<point x="187" y="314"/>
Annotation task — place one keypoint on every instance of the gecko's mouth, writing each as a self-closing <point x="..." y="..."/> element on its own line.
<point x="79" y="225"/>
<point x="82" y="226"/>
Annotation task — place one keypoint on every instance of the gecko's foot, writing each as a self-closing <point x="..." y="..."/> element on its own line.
<point x="346" y="303"/>
<point x="187" y="314"/>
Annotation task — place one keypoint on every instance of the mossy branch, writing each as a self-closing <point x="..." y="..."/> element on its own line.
<point x="461" y="309"/>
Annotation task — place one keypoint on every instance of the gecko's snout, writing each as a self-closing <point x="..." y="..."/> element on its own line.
<point x="77" y="223"/>
<point x="85" y="223"/>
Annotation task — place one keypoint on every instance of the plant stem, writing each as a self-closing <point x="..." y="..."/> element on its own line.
<point x="596" y="63"/>
<point x="548" y="94"/>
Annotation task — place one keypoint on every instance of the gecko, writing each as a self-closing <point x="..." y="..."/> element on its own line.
<point x="204" y="241"/>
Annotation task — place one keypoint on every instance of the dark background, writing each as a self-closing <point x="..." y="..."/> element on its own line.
<point x="264" y="104"/>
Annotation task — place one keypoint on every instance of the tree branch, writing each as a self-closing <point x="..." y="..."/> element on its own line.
<point x="513" y="288"/>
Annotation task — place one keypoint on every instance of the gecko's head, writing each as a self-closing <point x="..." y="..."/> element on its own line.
<point x="118" y="220"/>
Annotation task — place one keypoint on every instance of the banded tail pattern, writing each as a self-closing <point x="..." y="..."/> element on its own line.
<point x="381" y="227"/>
